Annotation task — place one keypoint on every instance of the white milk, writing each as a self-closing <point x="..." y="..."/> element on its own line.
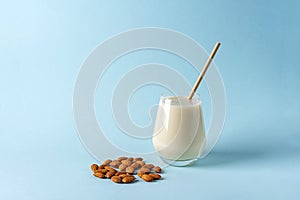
<point x="179" y="132"/>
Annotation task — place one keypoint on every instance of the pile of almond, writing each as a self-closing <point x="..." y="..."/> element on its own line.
<point x="127" y="168"/>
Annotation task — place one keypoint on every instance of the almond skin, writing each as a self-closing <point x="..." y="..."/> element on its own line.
<point x="130" y="170"/>
<point x="115" y="163"/>
<point x="155" y="176"/>
<point x="135" y="165"/>
<point x="145" y="170"/>
<point x="130" y="159"/>
<point x="101" y="166"/>
<point x="123" y="175"/>
<point x="140" y="174"/>
<point x="106" y="162"/>
<point x="99" y="175"/>
<point x="137" y="159"/>
<point x="157" y="169"/>
<point x="141" y="163"/>
<point x="116" y="179"/>
<point x="110" y="169"/>
<point x="122" y="167"/>
<point x="122" y="158"/>
<point x="120" y="173"/>
<point x="126" y="162"/>
<point x="102" y="171"/>
<point x="147" y="178"/>
<point x="94" y="167"/>
<point x="110" y="174"/>
<point x="150" y="166"/>
<point x="128" y="179"/>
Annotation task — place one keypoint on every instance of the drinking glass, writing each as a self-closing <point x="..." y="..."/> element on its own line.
<point x="179" y="132"/>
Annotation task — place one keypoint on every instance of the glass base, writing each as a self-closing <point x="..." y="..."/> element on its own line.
<point x="179" y="163"/>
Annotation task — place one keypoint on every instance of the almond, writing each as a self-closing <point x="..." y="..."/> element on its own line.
<point x="155" y="176"/>
<point x="101" y="170"/>
<point x="126" y="162"/>
<point x="130" y="170"/>
<point x="141" y="163"/>
<point x="94" y="167"/>
<point x="110" y="169"/>
<point x="147" y="178"/>
<point x="137" y="159"/>
<point x="120" y="173"/>
<point x="157" y="169"/>
<point x="150" y="166"/>
<point x="130" y="159"/>
<point x="116" y="179"/>
<point x="106" y="162"/>
<point x="101" y="166"/>
<point x="122" y="158"/>
<point x="110" y="174"/>
<point x="99" y="175"/>
<point x="140" y="174"/>
<point x="123" y="175"/>
<point x="115" y="163"/>
<point x="135" y="165"/>
<point x="145" y="170"/>
<point x="122" y="167"/>
<point x="128" y="179"/>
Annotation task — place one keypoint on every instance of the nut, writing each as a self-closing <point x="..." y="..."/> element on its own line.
<point x="135" y="165"/>
<point x="99" y="174"/>
<point x="145" y="170"/>
<point x="157" y="169"/>
<point x="120" y="173"/>
<point x="115" y="163"/>
<point x="116" y="179"/>
<point x="122" y="158"/>
<point x="106" y="162"/>
<point x="110" y="169"/>
<point x="150" y="166"/>
<point x="94" y="167"/>
<point x="155" y="176"/>
<point x="123" y="175"/>
<point x="147" y="178"/>
<point x="141" y="163"/>
<point x="122" y="167"/>
<point x="140" y="174"/>
<point x="101" y="166"/>
<point x="101" y="170"/>
<point x="130" y="159"/>
<point x="126" y="162"/>
<point x="110" y="174"/>
<point x="137" y="159"/>
<point x="130" y="170"/>
<point x="128" y="179"/>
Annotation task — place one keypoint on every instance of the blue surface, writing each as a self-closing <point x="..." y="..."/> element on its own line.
<point x="43" y="44"/>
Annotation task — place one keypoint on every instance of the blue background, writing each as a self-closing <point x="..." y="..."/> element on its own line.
<point x="43" y="43"/>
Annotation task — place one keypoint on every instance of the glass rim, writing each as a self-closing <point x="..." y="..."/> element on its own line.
<point x="180" y="100"/>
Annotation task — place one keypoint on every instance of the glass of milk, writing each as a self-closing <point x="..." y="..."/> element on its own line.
<point x="179" y="132"/>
